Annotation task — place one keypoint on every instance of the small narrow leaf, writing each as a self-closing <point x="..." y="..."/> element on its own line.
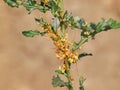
<point x="31" y="33"/>
<point x="84" y="55"/>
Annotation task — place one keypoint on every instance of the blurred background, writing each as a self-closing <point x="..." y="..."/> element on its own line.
<point x="29" y="63"/>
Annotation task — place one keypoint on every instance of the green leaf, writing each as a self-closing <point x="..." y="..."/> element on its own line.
<point x="56" y="24"/>
<point x="57" y="82"/>
<point x="30" y="5"/>
<point x="84" y="55"/>
<point x="105" y="25"/>
<point x="58" y="71"/>
<point x="12" y="3"/>
<point x="76" y="23"/>
<point x="99" y="25"/>
<point x="114" y="24"/>
<point x="31" y="33"/>
<point x="81" y="81"/>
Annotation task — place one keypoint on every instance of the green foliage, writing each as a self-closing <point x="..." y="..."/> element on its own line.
<point x="57" y="82"/>
<point x="60" y="72"/>
<point x="12" y="3"/>
<point x="30" y="5"/>
<point x="105" y="25"/>
<point x="81" y="81"/>
<point x="31" y="33"/>
<point x="54" y="7"/>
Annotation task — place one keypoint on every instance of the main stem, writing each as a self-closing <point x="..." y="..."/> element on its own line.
<point x="69" y="86"/>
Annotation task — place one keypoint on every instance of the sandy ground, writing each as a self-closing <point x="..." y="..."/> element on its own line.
<point x="28" y="63"/>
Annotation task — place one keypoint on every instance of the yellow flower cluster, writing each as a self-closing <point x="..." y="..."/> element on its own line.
<point x="63" y="47"/>
<point x="87" y="33"/>
<point x="64" y="50"/>
<point x="51" y="34"/>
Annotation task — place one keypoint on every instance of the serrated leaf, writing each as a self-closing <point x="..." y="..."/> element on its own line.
<point x="57" y="82"/>
<point x="31" y="33"/>
<point x="12" y="3"/>
<point x="105" y="25"/>
<point x="84" y="55"/>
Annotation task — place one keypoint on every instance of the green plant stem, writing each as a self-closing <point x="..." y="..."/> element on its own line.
<point x="81" y="42"/>
<point x="70" y="87"/>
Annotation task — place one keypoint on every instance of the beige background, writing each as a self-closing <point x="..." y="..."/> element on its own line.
<point x="28" y="63"/>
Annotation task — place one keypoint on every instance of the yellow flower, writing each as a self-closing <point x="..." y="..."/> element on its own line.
<point x="62" y="68"/>
<point x="87" y="33"/>
<point x="71" y="60"/>
<point x="60" y="56"/>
